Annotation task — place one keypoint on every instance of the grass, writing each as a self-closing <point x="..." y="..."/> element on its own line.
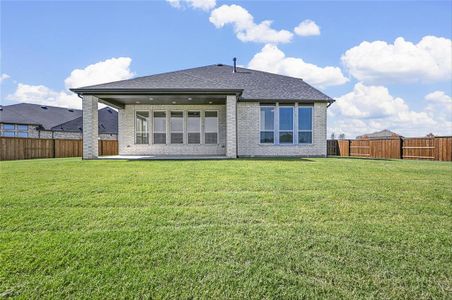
<point x="258" y="229"/>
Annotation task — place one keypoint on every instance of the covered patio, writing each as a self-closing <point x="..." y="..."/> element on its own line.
<point x="147" y="120"/>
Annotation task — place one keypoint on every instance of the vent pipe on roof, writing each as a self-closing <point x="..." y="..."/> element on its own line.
<point x="234" y="69"/>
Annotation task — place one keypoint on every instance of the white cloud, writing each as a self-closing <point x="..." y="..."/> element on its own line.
<point x="245" y="28"/>
<point x="40" y="94"/>
<point x="105" y="71"/>
<point x="440" y="105"/>
<point x="439" y="97"/>
<point x="272" y="59"/>
<point x="371" y="108"/>
<point x="205" y="5"/>
<point x="427" y="61"/>
<point x="307" y="28"/>
<point x="3" y="77"/>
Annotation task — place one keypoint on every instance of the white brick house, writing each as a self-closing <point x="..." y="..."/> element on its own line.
<point x="216" y="110"/>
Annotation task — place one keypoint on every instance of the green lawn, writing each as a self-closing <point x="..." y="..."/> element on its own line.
<point x="262" y="229"/>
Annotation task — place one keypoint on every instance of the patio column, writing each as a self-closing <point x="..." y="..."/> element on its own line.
<point x="90" y="127"/>
<point x="231" y="126"/>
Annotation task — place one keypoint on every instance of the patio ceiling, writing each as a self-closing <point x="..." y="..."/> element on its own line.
<point x="121" y="100"/>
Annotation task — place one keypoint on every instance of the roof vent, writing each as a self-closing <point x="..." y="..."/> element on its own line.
<point x="1" y="108"/>
<point x="109" y="110"/>
<point x="44" y="107"/>
<point x="220" y="65"/>
<point x="234" y="69"/>
<point x="70" y="110"/>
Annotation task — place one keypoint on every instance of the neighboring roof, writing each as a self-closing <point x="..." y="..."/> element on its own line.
<point x="46" y="116"/>
<point x="108" y="122"/>
<point x="56" y="118"/>
<point x="252" y="84"/>
<point x="383" y="134"/>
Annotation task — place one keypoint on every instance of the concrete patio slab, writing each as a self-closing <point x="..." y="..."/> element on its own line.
<point x="160" y="157"/>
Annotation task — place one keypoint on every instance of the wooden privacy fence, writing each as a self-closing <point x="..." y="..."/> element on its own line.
<point x="12" y="148"/>
<point x="436" y="148"/>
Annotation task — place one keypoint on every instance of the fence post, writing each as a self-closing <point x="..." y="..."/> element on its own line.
<point x="54" y="148"/>
<point x="401" y="148"/>
<point x="349" y="147"/>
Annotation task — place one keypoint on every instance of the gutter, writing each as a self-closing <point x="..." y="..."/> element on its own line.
<point x="166" y="91"/>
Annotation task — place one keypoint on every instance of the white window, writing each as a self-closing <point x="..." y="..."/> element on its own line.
<point x="14" y="130"/>
<point x="159" y="127"/>
<point x="267" y="125"/>
<point x="286" y="125"/>
<point x="177" y="127"/>
<point x="211" y="127"/>
<point x="194" y="127"/>
<point x="141" y="127"/>
<point x="305" y="124"/>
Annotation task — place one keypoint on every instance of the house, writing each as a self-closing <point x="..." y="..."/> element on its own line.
<point x="383" y="134"/>
<point x="40" y="121"/>
<point x="217" y="110"/>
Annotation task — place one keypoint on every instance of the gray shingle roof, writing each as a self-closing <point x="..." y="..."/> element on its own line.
<point x="108" y="122"/>
<point x="256" y="85"/>
<point x="383" y="134"/>
<point x="56" y="118"/>
<point x="46" y="116"/>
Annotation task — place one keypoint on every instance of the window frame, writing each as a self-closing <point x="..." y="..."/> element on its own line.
<point x="135" y="126"/>
<point x="311" y="107"/>
<point x="217" y="129"/>
<point x="153" y="126"/>
<point x="200" y="126"/>
<point x="285" y="130"/>
<point x="15" y="130"/>
<point x="171" y="127"/>
<point x="274" y="123"/>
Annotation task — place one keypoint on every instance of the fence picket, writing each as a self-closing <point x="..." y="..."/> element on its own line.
<point x="12" y="148"/>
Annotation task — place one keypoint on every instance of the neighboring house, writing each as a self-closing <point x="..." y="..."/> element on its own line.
<point x="383" y="134"/>
<point x="212" y="110"/>
<point x="39" y="121"/>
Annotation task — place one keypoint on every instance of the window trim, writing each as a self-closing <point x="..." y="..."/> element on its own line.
<point x="15" y="131"/>
<point x="166" y="126"/>
<point x="312" y="124"/>
<point x="200" y="126"/>
<point x="171" y="127"/>
<point x="205" y="131"/>
<point x="279" y="125"/>
<point x="274" y="123"/>
<point x="135" y="125"/>
<point x="295" y="130"/>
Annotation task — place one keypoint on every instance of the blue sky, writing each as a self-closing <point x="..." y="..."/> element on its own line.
<point x="405" y="87"/>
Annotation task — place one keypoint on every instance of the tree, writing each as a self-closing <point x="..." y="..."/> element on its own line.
<point x="333" y="136"/>
<point x="342" y="136"/>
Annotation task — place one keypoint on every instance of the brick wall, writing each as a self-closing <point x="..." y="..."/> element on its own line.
<point x="248" y="134"/>
<point x="126" y="138"/>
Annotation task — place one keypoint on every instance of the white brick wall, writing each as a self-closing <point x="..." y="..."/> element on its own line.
<point x="248" y="134"/>
<point x="126" y="136"/>
<point x="231" y="126"/>
<point x="90" y="127"/>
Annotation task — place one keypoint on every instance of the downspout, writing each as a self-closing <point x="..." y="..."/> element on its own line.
<point x="236" y="128"/>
